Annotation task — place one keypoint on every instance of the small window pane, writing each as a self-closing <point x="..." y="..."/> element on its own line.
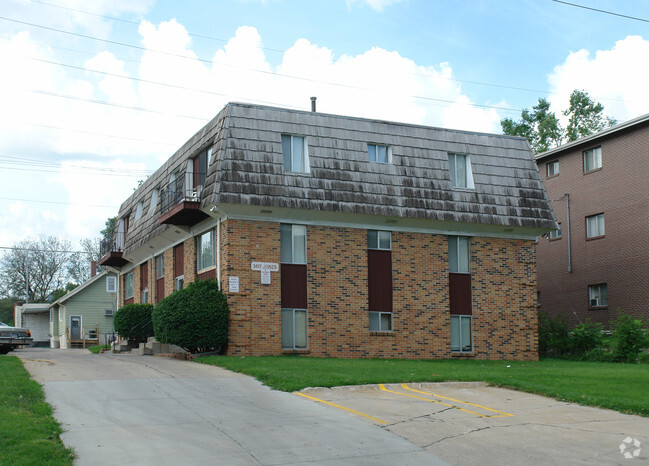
<point x="286" y="151"/>
<point x="286" y="234"/>
<point x="159" y="267"/>
<point x="375" y="323"/>
<point x="154" y="200"/>
<point x="371" y="152"/>
<point x="298" y="154"/>
<point x="386" y="322"/>
<point x="552" y="168"/>
<point x="287" y="328"/>
<point x="465" y="333"/>
<point x="384" y="240"/>
<point x="461" y="339"/>
<point x="455" y="333"/>
<point x="382" y="154"/>
<point x="300" y="328"/>
<point x="458" y="254"/>
<point x="299" y="244"/>
<point x="460" y="171"/>
<point x="372" y="239"/>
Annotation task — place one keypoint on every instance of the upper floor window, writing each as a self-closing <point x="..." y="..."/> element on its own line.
<point x="154" y="200"/>
<point x="294" y="150"/>
<point x="598" y="295"/>
<point x="128" y="285"/>
<point x="159" y="267"/>
<point x="293" y="243"/>
<point x="552" y="168"/>
<point x="595" y="226"/>
<point x="592" y="159"/>
<point x="458" y="254"/>
<point x="379" y="153"/>
<point x="206" y="252"/>
<point x="379" y="239"/>
<point x="460" y="169"/>
<point x="138" y="211"/>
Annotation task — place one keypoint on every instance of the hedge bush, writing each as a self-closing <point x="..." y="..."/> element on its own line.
<point x="195" y="318"/>
<point x="133" y="321"/>
<point x="631" y="337"/>
<point x="554" y="336"/>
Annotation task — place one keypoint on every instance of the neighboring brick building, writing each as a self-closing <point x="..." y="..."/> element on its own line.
<point x="347" y="237"/>
<point x="597" y="261"/>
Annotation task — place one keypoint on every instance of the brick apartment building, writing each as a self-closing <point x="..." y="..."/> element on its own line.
<point x="597" y="261"/>
<point x="346" y="237"/>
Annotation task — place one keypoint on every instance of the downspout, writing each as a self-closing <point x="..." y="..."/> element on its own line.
<point x="218" y="252"/>
<point x="567" y="196"/>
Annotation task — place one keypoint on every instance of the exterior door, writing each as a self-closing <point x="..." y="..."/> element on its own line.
<point x="75" y="327"/>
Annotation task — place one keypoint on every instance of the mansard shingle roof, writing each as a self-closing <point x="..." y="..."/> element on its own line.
<point x="247" y="169"/>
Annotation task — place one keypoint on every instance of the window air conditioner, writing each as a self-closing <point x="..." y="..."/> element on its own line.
<point x="593" y="302"/>
<point x="108" y="312"/>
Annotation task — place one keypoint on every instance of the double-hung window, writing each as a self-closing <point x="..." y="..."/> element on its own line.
<point x="597" y="295"/>
<point x="460" y="170"/>
<point x="459" y="265"/>
<point x="379" y="275"/>
<point x="592" y="159"/>
<point x="128" y="286"/>
<point x="205" y="250"/>
<point x="159" y="278"/>
<point x="295" y="153"/>
<point x="595" y="226"/>
<point x="552" y="168"/>
<point x="379" y="153"/>
<point x="293" y="286"/>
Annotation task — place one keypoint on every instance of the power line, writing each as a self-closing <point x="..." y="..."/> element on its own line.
<point x="60" y="203"/>
<point x="603" y="11"/>
<point x="42" y="163"/>
<point x="13" y="248"/>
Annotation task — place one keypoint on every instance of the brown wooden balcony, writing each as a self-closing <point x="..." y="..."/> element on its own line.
<point x="180" y="203"/>
<point x="111" y="251"/>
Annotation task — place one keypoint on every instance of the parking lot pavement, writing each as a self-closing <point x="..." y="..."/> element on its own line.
<point x="144" y="410"/>
<point x="470" y="423"/>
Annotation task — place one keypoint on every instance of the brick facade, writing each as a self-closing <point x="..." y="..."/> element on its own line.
<point x="619" y="258"/>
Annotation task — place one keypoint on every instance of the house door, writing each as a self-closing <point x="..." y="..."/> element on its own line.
<point x="75" y="327"/>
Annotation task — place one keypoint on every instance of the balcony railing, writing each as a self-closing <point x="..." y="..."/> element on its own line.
<point x="180" y="202"/>
<point x="111" y="250"/>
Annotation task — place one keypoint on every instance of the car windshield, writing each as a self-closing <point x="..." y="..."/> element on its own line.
<point x="2" y="324"/>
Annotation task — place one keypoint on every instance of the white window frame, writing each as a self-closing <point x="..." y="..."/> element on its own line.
<point x="285" y="315"/>
<point x="138" y="211"/>
<point x="595" y="296"/>
<point x="205" y="237"/>
<point x="595" y="226"/>
<point x="458" y="261"/>
<point x="128" y="285"/>
<point x="155" y="195"/>
<point x="592" y="159"/>
<point x="179" y="282"/>
<point x="289" y="160"/>
<point x="461" y="347"/>
<point x="111" y="284"/>
<point x="159" y="263"/>
<point x="379" y="239"/>
<point x="296" y="231"/>
<point x="145" y="296"/>
<point x="552" y="168"/>
<point x="466" y="181"/>
<point x="376" y="149"/>
<point x="376" y="317"/>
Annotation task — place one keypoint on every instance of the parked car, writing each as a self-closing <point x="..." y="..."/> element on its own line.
<point x="13" y="337"/>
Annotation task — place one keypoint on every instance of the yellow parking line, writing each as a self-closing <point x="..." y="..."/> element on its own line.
<point x="500" y="413"/>
<point x="382" y="387"/>
<point x="342" y="407"/>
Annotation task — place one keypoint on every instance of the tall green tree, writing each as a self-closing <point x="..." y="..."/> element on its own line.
<point x="540" y="126"/>
<point x="585" y="116"/>
<point x="109" y="228"/>
<point x="543" y="129"/>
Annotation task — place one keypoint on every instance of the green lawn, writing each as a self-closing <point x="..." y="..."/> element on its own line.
<point x="28" y="432"/>
<point x="622" y="387"/>
<point x="97" y="348"/>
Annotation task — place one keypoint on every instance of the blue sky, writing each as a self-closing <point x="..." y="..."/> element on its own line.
<point x="97" y="94"/>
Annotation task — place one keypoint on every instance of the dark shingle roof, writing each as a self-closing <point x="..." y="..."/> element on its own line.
<point x="247" y="169"/>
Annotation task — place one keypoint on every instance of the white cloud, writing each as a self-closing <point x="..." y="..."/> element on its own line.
<point x="616" y="78"/>
<point x="377" y="5"/>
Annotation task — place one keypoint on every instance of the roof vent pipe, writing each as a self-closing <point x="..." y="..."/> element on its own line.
<point x="313" y="99"/>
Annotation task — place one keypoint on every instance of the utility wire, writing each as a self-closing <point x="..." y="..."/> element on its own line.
<point x="60" y="203"/>
<point x="603" y="11"/>
<point x="13" y="248"/>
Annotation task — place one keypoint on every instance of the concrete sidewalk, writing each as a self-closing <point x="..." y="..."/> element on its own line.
<point x="127" y="409"/>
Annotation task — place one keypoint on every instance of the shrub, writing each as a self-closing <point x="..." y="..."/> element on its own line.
<point x="586" y="337"/>
<point x="194" y="318"/>
<point x="133" y="321"/>
<point x="630" y="335"/>
<point x="554" y="338"/>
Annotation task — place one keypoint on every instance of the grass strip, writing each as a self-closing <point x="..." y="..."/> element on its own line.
<point x="97" y="348"/>
<point x="621" y="387"/>
<point x="29" y="435"/>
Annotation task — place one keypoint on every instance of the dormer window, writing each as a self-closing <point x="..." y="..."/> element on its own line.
<point x="295" y="153"/>
<point x="460" y="170"/>
<point x="138" y="211"/>
<point x="379" y="153"/>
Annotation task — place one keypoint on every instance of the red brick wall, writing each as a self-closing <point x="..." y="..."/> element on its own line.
<point x="619" y="258"/>
<point x="504" y="295"/>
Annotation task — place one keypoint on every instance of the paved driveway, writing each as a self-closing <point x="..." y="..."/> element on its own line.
<point x="127" y="409"/>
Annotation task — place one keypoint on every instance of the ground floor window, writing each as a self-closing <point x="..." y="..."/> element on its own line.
<point x="461" y="340"/>
<point x="294" y="328"/>
<point x="145" y="296"/>
<point x="380" y="321"/>
<point x="598" y="295"/>
<point x="179" y="283"/>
